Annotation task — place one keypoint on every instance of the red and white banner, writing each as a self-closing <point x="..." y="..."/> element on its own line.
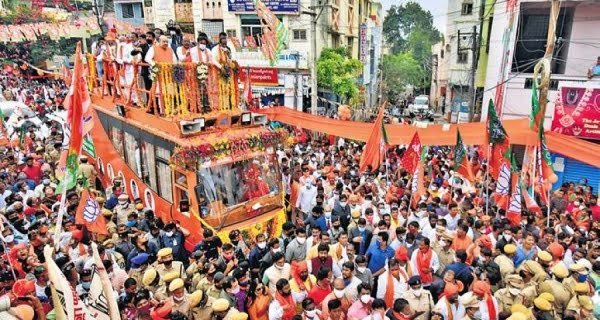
<point x="577" y="112"/>
<point x="260" y="76"/>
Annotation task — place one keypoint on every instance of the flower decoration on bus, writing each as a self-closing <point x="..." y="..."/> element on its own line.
<point x="153" y="72"/>
<point x="188" y="157"/>
<point x="178" y="73"/>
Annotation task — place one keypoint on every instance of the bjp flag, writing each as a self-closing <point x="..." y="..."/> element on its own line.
<point x="89" y="214"/>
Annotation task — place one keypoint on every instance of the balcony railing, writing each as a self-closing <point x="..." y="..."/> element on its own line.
<point x="170" y="90"/>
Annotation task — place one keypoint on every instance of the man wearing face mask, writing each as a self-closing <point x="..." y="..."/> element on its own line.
<point x="279" y="270"/>
<point x="165" y="264"/>
<point x="257" y="253"/>
<point x="174" y="237"/>
<point x="507" y="238"/>
<point x="200" y="305"/>
<point x="361" y="308"/>
<point x="339" y="293"/>
<point x="425" y="262"/>
<point x="420" y="300"/>
<point x="579" y="274"/>
<point x="230" y="290"/>
<point x="361" y="236"/>
<point x="297" y="249"/>
<point x="488" y="305"/>
<point x="123" y="209"/>
<point x="325" y="222"/>
<point x="445" y="252"/>
<point x="85" y="281"/>
<point x="178" y="296"/>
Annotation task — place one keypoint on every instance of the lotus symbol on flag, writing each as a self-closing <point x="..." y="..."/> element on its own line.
<point x="415" y="181"/>
<point x="515" y="202"/>
<point x="503" y="184"/>
<point x="91" y="210"/>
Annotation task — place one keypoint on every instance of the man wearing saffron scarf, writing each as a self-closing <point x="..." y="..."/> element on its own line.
<point x="283" y="307"/>
<point x="392" y="283"/>
<point x="323" y="287"/>
<point x="425" y="262"/>
<point x="339" y="294"/>
<point x="448" y="304"/>
<point x="488" y="305"/>
<point x="301" y="279"/>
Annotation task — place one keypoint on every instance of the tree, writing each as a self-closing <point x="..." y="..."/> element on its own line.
<point x="399" y="71"/>
<point x="402" y="20"/>
<point x="337" y="72"/>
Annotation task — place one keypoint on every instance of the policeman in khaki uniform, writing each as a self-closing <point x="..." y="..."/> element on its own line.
<point x="471" y="304"/>
<point x="179" y="296"/>
<point x="88" y="171"/>
<point x="200" y="306"/>
<point x="511" y="293"/>
<point x="165" y="264"/>
<point x="532" y="273"/>
<point x="418" y="298"/>
<point x="542" y="309"/>
<point x="150" y="279"/>
<point x="550" y="298"/>
<point x="581" y="289"/>
<point x="222" y="309"/>
<point x="587" y="308"/>
<point x="544" y="258"/>
<point x="161" y="291"/>
<point x="578" y="274"/>
<point x="139" y="264"/>
<point x="505" y="261"/>
<point x="556" y="288"/>
<point x="446" y="254"/>
<point x="519" y="308"/>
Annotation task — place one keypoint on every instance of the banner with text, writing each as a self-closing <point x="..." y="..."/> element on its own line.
<point x="577" y="112"/>
<point x="260" y="76"/>
<point x="277" y="6"/>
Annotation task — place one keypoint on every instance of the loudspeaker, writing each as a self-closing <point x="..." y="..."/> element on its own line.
<point x="121" y="110"/>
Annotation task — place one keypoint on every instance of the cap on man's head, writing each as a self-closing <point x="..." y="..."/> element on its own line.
<point x="414" y="281"/>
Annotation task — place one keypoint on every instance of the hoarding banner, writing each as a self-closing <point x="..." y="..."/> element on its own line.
<point x="577" y="112"/>
<point x="261" y="76"/>
<point x="363" y="42"/>
<point x="277" y="6"/>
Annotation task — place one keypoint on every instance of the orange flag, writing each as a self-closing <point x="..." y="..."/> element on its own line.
<point x="373" y="151"/>
<point x="89" y="214"/>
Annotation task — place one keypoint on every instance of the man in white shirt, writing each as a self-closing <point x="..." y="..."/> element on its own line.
<point x="125" y="61"/>
<point x="184" y="52"/>
<point x="395" y="274"/>
<point x="306" y="198"/>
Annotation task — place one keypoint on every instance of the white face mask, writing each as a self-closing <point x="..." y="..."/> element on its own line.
<point x="338" y="293"/>
<point x="262" y="245"/>
<point x="301" y="240"/>
<point x="343" y="204"/>
<point x="507" y="237"/>
<point x="235" y="290"/>
<point x="276" y="250"/>
<point x="361" y="269"/>
<point x="328" y="214"/>
<point x="365" y="298"/>
<point x="311" y="313"/>
<point x="443" y="243"/>
<point x="178" y="299"/>
<point x="10" y="238"/>
<point x="279" y="267"/>
<point x="417" y="292"/>
<point x="202" y="46"/>
<point x="169" y="234"/>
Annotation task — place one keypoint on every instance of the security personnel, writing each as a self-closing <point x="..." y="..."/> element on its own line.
<point x="581" y="289"/>
<point x="505" y="261"/>
<point x="222" y="310"/>
<point x="161" y="291"/>
<point x="165" y="264"/>
<point x="519" y="308"/>
<point x="139" y="264"/>
<point x="446" y="254"/>
<point x="201" y="306"/>
<point x="532" y="273"/>
<point x="419" y="299"/>
<point x="111" y="226"/>
<point x="88" y="171"/>
<point x="471" y="304"/>
<point x="554" y="286"/>
<point x="150" y="279"/>
<point x="123" y="209"/>
<point x="179" y="296"/>
<point x="542" y="309"/>
<point x="587" y="308"/>
<point x="550" y="298"/>
<point x="544" y="258"/>
<point x="578" y="274"/>
<point x="511" y="294"/>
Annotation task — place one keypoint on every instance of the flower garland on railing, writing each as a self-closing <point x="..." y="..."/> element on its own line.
<point x="188" y="157"/>
<point x="92" y="72"/>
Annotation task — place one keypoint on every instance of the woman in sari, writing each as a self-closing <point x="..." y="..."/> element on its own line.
<point x="258" y="301"/>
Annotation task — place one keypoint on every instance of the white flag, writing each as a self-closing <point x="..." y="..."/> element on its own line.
<point x="72" y="306"/>
<point x="103" y="299"/>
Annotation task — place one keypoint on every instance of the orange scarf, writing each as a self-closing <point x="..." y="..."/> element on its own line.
<point x="389" y="292"/>
<point x="259" y="309"/>
<point x="489" y="301"/>
<point x="424" y="264"/>
<point x="287" y="304"/>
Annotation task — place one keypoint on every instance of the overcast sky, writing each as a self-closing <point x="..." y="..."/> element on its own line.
<point x="438" y="9"/>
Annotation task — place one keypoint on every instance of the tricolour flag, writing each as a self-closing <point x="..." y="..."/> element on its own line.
<point x="88" y="146"/>
<point x="411" y="156"/>
<point x="461" y="160"/>
<point x="72" y="307"/>
<point x="89" y="214"/>
<point x="372" y="152"/>
<point x="101" y="299"/>
<point x="545" y="174"/>
<point x="530" y="202"/>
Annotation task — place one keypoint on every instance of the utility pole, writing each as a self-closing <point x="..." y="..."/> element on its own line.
<point x="474" y="58"/>
<point x="313" y="57"/>
<point x="544" y="66"/>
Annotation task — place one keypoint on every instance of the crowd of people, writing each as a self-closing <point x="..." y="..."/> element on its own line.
<point x="356" y="245"/>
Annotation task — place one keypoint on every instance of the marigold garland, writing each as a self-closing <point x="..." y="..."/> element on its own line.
<point x="227" y="147"/>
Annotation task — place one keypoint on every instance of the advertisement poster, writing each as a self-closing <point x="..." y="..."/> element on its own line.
<point x="277" y="6"/>
<point x="363" y="42"/>
<point x="577" y="112"/>
<point x="261" y="76"/>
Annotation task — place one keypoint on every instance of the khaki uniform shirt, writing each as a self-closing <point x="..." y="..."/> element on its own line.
<point x="529" y="293"/>
<point x="89" y="172"/>
<point x="202" y="313"/>
<point x="561" y="294"/>
<point x="506" y="300"/>
<point x="183" y="306"/>
<point x="507" y="266"/>
<point x="421" y="303"/>
<point x="446" y="257"/>
<point x="175" y="266"/>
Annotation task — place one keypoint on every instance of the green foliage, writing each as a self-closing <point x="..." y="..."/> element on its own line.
<point x="17" y="13"/>
<point x="400" y="70"/>
<point x="338" y="72"/>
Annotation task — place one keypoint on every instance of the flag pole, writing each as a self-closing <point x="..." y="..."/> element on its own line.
<point x="487" y="178"/>
<point x="59" y="219"/>
<point x="548" y="210"/>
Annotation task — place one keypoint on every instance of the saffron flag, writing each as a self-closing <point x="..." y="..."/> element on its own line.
<point x="89" y="214"/>
<point x="498" y="138"/>
<point x="248" y="92"/>
<point x="101" y="299"/>
<point x="411" y="156"/>
<point x="72" y="307"/>
<point x="418" y="180"/>
<point x="275" y="33"/>
<point x="501" y="194"/>
<point x="461" y="159"/>
<point x="536" y="114"/>
<point x="545" y="173"/>
<point x="530" y="202"/>
<point x="372" y="152"/>
<point x="88" y="146"/>
<point x="76" y="103"/>
<point x="513" y="213"/>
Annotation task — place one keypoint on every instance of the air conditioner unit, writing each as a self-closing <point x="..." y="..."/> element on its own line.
<point x="191" y="127"/>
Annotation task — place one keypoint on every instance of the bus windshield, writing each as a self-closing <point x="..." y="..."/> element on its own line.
<point x="233" y="183"/>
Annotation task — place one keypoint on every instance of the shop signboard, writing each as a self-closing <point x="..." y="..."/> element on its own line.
<point x="276" y="6"/>
<point x="577" y="111"/>
<point x="363" y="42"/>
<point x="260" y="76"/>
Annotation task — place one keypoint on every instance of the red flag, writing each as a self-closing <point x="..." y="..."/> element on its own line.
<point x="418" y="180"/>
<point x="411" y="156"/>
<point x="372" y="154"/>
<point x="530" y="202"/>
<point x="462" y="165"/>
<point x="513" y="214"/>
<point x="497" y="158"/>
<point x="66" y="74"/>
<point x="502" y="192"/>
<point x="89" y="214"/>
<point x="248" y="93"/>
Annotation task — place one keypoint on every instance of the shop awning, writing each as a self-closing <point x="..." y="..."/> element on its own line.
<point x="472" y="133"/>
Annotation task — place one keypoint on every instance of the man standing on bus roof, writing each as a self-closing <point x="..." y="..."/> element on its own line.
<point x="161" y="52"/>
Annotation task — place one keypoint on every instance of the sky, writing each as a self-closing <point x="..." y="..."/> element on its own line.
<point x="438" y="9"/>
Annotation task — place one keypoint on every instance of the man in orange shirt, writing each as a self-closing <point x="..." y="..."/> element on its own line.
<point x="462" y="241"/>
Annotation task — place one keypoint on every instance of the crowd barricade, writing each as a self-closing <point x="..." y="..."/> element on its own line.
<point x="165" y="89"/>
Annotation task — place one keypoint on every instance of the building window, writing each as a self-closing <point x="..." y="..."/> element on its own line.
<point x="251" y="27"/>
<point x="116" y="137"/>
<point x="467" y="8"/>
<point x="462" y="57"/>
<point x="132" y="154"/>
<point x="442" y="54"/>
<point x="212" y="28"/>
<point x="299" y="34"/>
<point x="530" y="45"/>
<point x="127" y="10"/>
<point x="165" y="186"/>
<point x="351" y="45"/>
<point x="231" y="33"/>
<point x="335" y="40"/>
